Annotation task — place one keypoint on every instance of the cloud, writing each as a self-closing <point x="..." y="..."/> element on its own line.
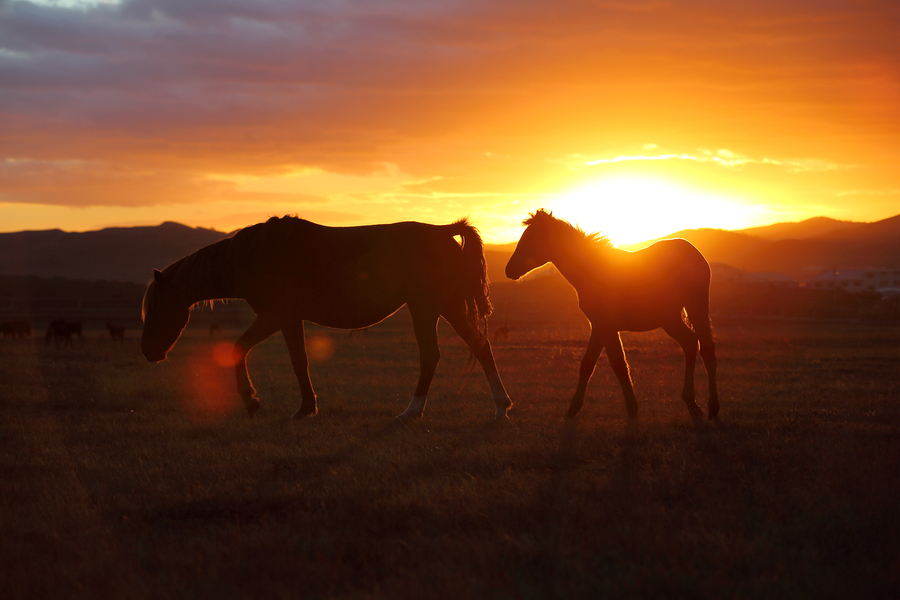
<point x="726" y="158"/>
<point x="137" y="102"/>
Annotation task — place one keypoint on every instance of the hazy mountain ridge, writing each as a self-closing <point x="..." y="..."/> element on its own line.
<point x="113" y="254"/>
<point x="801" y="230"/>
<point x="810" y="247"/>
<point x="130" y="253"/>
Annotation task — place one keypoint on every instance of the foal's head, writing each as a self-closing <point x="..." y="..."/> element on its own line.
<point x="165" y="314"/>
<point x="539" y="242"/>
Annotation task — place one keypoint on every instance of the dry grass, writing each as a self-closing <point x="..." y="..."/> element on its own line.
<point x="124" y="479"/>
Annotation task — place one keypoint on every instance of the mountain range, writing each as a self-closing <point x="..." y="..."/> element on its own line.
<point x="801" y="250"/>
<point x="131" y="253"/>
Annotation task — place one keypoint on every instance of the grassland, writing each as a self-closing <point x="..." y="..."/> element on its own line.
<point x="130" y="480"/>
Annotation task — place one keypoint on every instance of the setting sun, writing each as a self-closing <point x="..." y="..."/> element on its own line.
<point x="633" y="209"/>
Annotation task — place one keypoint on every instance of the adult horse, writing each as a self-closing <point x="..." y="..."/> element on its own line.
<point x="291" y="270"/>
<point x="626" y="291"/>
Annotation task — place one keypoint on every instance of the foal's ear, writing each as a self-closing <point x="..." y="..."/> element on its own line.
<point x="158" y="276"/>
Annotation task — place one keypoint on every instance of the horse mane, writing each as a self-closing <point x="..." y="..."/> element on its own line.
<point x="545" y="218"/>
<point x="193" y="275"/>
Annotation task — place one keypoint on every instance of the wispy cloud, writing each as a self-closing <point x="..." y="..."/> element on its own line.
<point x="727" y="158"/>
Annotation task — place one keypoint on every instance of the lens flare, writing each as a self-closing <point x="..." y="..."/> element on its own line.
<point x="223" y="354"/>
<point x="320" y="346"/>
<point x="210" y="381"/>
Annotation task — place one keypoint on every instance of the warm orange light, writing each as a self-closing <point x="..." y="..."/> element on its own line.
<point x="223" y="354"/>
<point x="320" y="346"/>
<point x="211" y="387"/>
<point x="634" y="209"/>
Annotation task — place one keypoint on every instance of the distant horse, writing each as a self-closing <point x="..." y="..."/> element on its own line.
<point x="16" y="329"/>
<point x="626" y="291"/>
<point x="116" y="332"/>
<point x="291" y="270"/>
<point x="62" y="330"/>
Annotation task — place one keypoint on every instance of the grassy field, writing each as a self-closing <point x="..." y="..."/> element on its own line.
<point x="130" y="480"/>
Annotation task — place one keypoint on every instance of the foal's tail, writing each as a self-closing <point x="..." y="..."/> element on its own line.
<point x="476" y="287"/>
<point x="696" y="316"/>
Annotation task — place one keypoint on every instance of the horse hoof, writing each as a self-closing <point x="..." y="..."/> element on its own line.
<point x="406" y="418"/>
<point x="302" y="414"/>
<point x="252" y="408"/>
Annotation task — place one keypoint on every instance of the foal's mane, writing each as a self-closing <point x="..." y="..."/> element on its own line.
<point x="544" y="219"/>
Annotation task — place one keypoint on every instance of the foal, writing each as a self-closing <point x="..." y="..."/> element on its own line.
<point x="627" y="291"/>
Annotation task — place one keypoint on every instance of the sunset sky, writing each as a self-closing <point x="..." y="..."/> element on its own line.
<point x="637" y="118"/>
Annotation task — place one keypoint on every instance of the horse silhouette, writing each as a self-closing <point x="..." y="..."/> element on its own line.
<point x="16" y="329"/>
<point x="626" y="291"/>
<point x="63" y="330"/>
<point x="116" y="332"/>
<point x="291" y="270"/>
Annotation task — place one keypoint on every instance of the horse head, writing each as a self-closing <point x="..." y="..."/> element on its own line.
<point x="534" y="247"/>
<point x="165" y="316"/>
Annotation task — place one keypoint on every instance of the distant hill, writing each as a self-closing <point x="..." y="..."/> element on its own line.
<point x="886" y="231"/>
<point x="800" y="231"/>
<point x="114" y="254"/>
<point x="130" y="253"/>
<point x="847" y="245"/>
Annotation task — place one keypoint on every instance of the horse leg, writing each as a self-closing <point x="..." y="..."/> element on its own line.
<point x="295" y="339"/>
<point x="260" y="329"/>
<point x="588" y="362"/>
<point x="708" y="353"/>
<point x="616" y="355"/>
<point x="683" y="334"/>
<point x="699" y="316"/>
<point x="481" y="349"/>
<point x="425" y="327"/>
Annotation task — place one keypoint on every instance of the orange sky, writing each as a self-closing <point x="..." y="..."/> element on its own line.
<point x="637" y="118"/>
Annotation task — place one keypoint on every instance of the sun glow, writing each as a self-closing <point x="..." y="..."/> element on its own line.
<point x="629" y="210"/>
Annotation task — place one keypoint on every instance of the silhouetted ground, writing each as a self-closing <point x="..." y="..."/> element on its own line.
<point x="125" y="479"/>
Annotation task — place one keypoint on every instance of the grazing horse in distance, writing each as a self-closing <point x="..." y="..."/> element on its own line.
<point x="16" y="329"/>
<point x="626" y="291"/>
<point x="62" y="330"/>
<point x="291" y="270"/>
<point x="116" y="332"/>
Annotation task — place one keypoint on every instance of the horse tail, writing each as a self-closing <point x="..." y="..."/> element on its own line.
<point x="476" y="287"/>
<point x="696" y="313"/>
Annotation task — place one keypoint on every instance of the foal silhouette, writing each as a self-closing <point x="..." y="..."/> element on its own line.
<point x="290" y="270"/>
<point x="626" y="291"/>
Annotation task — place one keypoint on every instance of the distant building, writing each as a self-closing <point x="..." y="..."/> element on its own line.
<point x="723" y="273"/>
<point x="770" y="279"/>
<point x="856" y="280"/>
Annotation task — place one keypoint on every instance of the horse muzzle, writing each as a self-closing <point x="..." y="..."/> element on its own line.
<point x="153" y="355"/>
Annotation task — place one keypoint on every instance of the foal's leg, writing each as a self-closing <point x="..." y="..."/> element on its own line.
<point x="616" y="355"/>
<point x="588" y="362"/>
<point x="688" y="341"/>
<point x="708" y="353"/>
<point x="698" y="312"/>
<point x="481" y="348"/>
<point x="296" y="342"/>
<point x="263" y="327"/>
<point x="425" y="327"/>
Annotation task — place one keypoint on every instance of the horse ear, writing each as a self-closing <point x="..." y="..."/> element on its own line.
<point x="158" y="276"/>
